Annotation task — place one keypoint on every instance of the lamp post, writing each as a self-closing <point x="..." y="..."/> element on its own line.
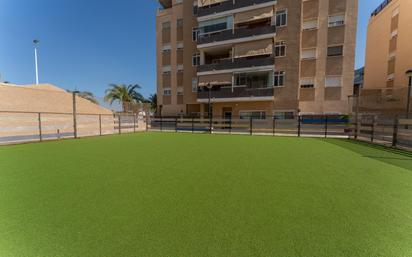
<point x="210" y="107"/>
<point x="36" y="43"/>
<point x="408" y="101"/>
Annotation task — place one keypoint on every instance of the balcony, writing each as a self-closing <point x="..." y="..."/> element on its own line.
<point x="225" y="35"/>
<point x="165" y="3"/>
<point x="228" y="5"/>
<point x="237" y="63"/>
<point x="238" y="92"/>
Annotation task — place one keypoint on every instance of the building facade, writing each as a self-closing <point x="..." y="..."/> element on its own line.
<point x="255" y="57"/>
<point x="387" y="61"/>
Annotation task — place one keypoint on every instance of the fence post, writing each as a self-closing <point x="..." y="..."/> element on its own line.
<point x="193" y="124"/>
<point x="373" y="129"/>
<point x="120" y="124"/>
<point x="395" y="132"/>
<point x="230" y="124"/>
<point x="176" y="124"/>
<point x="356" y="126"/>
<point x="40" y="128"/>
<point x="251" y="126"/>
<point x="74" y="115"/>
<point x="100" y="124"/>
<point x="147" y="118"/>
<point x="299" y="125"/>
<point x="134" y="122"/>
<point x="274" y="126"/>
<point x="326" y="126"/>
<point x="161" y="122"/>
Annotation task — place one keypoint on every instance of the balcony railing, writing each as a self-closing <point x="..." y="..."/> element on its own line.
<point x="235" y="34"/>
<point x="237" y="63"/>
<point x="238" y="92"/>
<point x="227" y="6"/>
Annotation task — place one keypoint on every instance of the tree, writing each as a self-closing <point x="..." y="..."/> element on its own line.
<point x="153" y="102"/>
<point x="124" y="94"/>
<point x="86" y="95"/>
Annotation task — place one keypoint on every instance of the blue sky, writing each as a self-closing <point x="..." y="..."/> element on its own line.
<point x="87" y="44"/>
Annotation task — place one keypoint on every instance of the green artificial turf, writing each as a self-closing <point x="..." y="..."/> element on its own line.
<point x="183" y="195"/>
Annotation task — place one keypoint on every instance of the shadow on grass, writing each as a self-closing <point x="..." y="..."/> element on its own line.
<point x="381" y="153"/>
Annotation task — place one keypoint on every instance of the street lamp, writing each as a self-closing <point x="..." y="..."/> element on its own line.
<point x="209" y="86"/>
<point x="36" y="43"/>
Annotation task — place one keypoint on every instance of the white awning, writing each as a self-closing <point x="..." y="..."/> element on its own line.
<point x="253" y="15"/>
<point x="215" y="79"/>
<point x="254" y="48"/>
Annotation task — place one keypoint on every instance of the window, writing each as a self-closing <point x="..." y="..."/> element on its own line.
<point x="254" y="79"/>
<point x="195" y="7"/>
<point x="280" y="49"/>
<point x="166" y="25"/>
<point x="194" y="85"/>
<point x="308" y="54"/>
<point x="335" y="51"/>
<point x="179" y="45"/>
<point x="180" y="68"/>
<point x="312" y="24"/>
<point x="167" y="92"/>
<point x="196" y="59"/>
<point x="284" y="115"/>
<point x="337" y="20"/>
<point x="215" y="25"/>
<point x="256" y="115"/>
<point x="180" y="23"/>
<point x="179" y="1"/>
<point x="333" y="81"/>
<point x="279" y="78"/>
<point x="195" y="34"/>
<point x="180" y="91"/>
<point x="281" y="18"/>
<point x="166" y="47"/>
<point x="307" y="83"/>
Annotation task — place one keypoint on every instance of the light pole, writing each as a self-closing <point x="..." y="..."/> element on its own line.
<point x="408" y="101"/>
<point x="210" y="107"/>
<point x="36" y="43"/>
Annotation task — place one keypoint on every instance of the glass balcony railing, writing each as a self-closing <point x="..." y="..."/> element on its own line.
<point x="234" y="34"/>
<point x="227" y="6"/>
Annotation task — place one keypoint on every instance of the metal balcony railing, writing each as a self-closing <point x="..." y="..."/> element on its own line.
<point x="237" y="63"/>
<point x="227" y="6"/>
<point x="235" y="34"/>
<point x="238" y="92"/>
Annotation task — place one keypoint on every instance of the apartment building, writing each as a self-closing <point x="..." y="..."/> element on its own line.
<point x="388" y="48"/>
<point x="255" y="57"/>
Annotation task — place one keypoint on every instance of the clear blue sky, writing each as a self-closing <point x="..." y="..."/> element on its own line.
<point x="90" y="43"/>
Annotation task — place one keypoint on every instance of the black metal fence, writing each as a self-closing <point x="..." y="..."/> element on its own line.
<point x="391" y="131"/>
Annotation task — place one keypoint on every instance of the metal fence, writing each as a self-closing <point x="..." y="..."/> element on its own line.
<point x="18" y="127"/>
<point x="391" y="131"/>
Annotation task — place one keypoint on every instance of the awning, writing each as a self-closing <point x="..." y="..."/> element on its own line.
<point x="254" y="48"/>
<point x="253" y="15"/>
<point x="209" y="2"/>
<point x="215" y="79"/>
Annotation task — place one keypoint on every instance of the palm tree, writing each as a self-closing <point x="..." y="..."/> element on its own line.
<point x="153" y="102"/>
<point x="124" y="94"/>
<point x="86" y="95"/>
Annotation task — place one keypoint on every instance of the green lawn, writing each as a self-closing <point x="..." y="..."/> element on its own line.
<point x="184" y="195"/>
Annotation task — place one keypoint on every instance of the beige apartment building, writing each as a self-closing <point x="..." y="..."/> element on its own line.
<point x="389" y="46"/>
<point x="255" y="57"/>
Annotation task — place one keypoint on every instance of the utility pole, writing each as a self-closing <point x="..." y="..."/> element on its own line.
<point x="36" y="43"/>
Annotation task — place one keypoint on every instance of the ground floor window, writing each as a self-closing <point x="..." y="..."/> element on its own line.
<point x="257" y="115"/>
<point x="284" y="115"/>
